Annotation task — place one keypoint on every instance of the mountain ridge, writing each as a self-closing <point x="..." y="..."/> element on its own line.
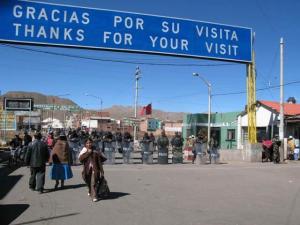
<point x="115" y="111"/>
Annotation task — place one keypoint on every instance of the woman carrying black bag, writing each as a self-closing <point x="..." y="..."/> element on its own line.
<point x="93" y="171"/>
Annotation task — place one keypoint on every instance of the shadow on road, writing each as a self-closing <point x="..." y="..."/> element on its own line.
<point x="10" y="212"/>
<point x="7" y="183"/>
<point x="66" y="187"/>
<point x="5" y="170"/>
<point x="115" y="195"/>
<point x="46" y="219"/>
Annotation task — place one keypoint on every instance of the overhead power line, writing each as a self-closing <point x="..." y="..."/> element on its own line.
<point x="171" y="98"/>
<point x="259" y="89"/>
<point x="151" y="64"/>
<point x="117" y="60"/>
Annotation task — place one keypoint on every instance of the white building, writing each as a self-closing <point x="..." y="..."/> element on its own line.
<point x="267" y="121"/>
<point x="54" y="123"/>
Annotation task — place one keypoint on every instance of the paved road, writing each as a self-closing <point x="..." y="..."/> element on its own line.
<point x="226" y="194"/>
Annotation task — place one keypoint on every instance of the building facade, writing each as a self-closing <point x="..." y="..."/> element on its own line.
<point x="267" y="121"/>
<point x="224" y="125"/>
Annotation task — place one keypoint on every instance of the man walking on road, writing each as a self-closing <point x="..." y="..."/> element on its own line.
<point x="36" y="157"/>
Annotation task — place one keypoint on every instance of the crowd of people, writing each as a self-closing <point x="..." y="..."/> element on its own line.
<point x="61" y="149"/>
<point x="57" y="149"/>
<point x="271" y="149"/>
<point x="109" y="144"/>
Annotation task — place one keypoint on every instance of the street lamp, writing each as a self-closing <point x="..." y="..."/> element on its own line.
<point x="101" y="102"/>
<point x="209" y="105"/>
<point x="53" y="101"/>
<point x="138" y="74"/>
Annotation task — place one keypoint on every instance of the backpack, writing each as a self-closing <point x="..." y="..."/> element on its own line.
<point x="102" y="187"/>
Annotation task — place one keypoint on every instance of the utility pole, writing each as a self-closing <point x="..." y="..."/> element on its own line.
<point x="5" y="123"/>
<point x="251" y="98"/>
<point x="101" y="107"/>
<point x="209" y="116"/>
<point x="29" y="122"/>
<point x="52" y="114"/>
<point x="281" y="125"/>
<point x="208" y="84"/>
<point x="137" y="77"/>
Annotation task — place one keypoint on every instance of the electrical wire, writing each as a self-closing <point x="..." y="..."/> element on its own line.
<point x="266" y="17"/>
<point x="267" y="80"/>
<point x="151" y="64"/>
<point x="259" y="89"/>
<point x="119" y="61"/>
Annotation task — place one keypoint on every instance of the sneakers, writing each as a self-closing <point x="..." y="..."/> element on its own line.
<point x="95" y="199"/>
<point x="89" y="194"/>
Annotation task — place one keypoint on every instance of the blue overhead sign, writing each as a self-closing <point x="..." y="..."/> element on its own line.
<point x="61" y="25"/>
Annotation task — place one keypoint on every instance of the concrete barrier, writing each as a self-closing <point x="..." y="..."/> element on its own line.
<point x="251" y="153"/>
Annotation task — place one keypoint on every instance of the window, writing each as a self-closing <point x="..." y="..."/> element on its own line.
<point x="261" y="133"/>
<point x="231" y="134"/>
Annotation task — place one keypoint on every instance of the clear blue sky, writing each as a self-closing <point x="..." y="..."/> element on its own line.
<point x="169" y="88"/>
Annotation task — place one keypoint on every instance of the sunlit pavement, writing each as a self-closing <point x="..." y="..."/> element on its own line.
<point x="231" y="194"/>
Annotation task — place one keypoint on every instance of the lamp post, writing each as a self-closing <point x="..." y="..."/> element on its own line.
<point x="137" y="77"/>
<point x="209" y="105"/>
<point x="281" y="125"/>
<point x="53" y="101"/>
<point x="101" y="102"/>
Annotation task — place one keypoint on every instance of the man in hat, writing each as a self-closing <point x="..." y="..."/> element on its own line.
<point x="27" y="138"/>
<point x="290" y="147"/>
<point x="16" y="142"/>
<point x="36" y="157"/>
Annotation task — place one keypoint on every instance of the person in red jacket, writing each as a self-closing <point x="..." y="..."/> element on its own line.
<point x="50" y="140"/>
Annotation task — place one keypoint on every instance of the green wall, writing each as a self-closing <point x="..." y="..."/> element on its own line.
<point x="220" y="123"/>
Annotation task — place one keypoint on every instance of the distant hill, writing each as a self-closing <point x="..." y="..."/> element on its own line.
<point x="116" y="111"/>
<point x="119" y="112"/>
<point x="39" y="98"/>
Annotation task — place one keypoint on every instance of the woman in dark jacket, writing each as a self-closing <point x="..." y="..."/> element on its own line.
<point x="62" y="160"/>
<point x="92" y="168"/>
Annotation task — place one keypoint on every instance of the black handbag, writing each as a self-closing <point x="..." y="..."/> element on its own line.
<point x="102" y="157"/>
<point x="102" y="187"/>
